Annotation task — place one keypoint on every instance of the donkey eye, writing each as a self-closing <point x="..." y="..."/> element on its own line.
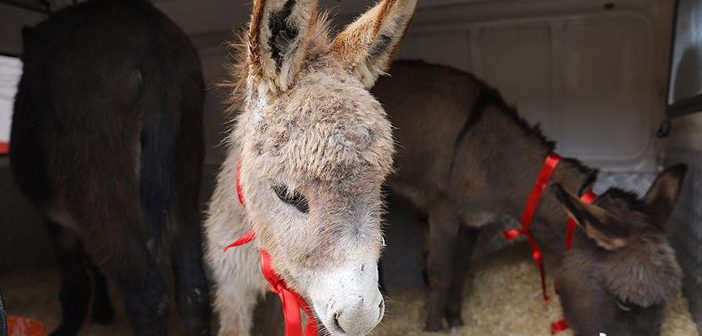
<point x="292" y="198"/>
<point x="623" y="305"/>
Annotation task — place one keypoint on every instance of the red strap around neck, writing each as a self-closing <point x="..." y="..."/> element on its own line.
<point x="532" y="204"/>
<point x="292" y="301"/>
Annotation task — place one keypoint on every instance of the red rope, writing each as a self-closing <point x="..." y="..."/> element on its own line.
<point x="558" y="326"/>
<point x="532" y="204"/>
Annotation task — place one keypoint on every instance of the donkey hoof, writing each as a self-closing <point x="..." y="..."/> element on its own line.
<point x="434" y="325"/>
<point x="103" y="314"/>
<point x="63" y="330"/>
<point x="454" y="321"/>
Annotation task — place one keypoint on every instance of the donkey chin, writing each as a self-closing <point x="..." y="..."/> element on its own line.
<point x="347" y="300"/>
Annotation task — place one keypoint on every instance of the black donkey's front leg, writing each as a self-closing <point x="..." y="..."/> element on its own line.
<point x="443" y="237"/>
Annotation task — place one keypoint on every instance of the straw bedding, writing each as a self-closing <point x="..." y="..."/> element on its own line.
<point x="503" y="297"/>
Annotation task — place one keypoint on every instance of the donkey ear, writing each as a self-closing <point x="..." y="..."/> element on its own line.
<point x="367" y="45"/>
<point x="665" y="189"/>
<point x="597" y="223"/>
<point x="277" y="39"/>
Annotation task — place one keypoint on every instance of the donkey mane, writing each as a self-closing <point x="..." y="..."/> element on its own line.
<point x="631" y="201"/>
<point x="488" y="96"/>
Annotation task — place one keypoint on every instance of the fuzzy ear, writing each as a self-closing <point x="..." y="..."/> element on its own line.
<point x="367" y="45"/>
<point x="665" y="189"/>
<point x="595" y="221"/>
<point x="277" y="39"/>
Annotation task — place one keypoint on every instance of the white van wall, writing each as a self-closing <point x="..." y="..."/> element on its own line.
<point x="589" y="75"/>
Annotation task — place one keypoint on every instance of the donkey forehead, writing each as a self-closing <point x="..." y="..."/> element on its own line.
<point x="326" y="130"/>
<point x="645" y="272"/>
<point x="617" y="200"/>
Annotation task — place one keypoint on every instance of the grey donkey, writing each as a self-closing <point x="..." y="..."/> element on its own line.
<point x="314" y="148"/>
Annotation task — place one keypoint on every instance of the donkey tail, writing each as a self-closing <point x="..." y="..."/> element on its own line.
<point x="159" y="112"/>
<point x="171" y="141"/>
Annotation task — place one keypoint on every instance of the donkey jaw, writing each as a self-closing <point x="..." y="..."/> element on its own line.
<point x="347" y="300"/>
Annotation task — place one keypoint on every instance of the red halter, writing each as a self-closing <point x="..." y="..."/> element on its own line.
<point x="532" y="204"/>
<point x="544" y="176"/>
<point x="292" y="301"/>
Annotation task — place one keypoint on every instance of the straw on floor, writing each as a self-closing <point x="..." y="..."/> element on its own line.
<point x="503" y="297"/>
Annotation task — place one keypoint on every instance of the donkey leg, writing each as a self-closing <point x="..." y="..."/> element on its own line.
<point x="132" y="269"/>
<point x="74" y="295"/>
<point x="101" y="311"/>
<point x="443" y="230"/>
<point x="191" y="285"/>
<point x="110" y="224"/>
<point x="464" y="250"/>
<point x="192" y="293"/>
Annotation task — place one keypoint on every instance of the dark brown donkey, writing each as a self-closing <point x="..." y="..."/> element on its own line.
<point x="107" y="143"/>
<point x="465" y="157"/>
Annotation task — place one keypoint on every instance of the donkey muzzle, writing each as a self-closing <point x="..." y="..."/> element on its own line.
<point x="348" y="300"/>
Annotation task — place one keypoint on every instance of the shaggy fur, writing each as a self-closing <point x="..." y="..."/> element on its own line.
<point x="466" y="157"/>
<point x="308" y="126"/>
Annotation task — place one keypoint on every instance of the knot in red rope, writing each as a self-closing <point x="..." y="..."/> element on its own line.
<point x="532" y="204"/>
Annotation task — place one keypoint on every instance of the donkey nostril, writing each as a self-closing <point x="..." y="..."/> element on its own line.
<point x="381" y="305"/>
<point x="336" y="322"/>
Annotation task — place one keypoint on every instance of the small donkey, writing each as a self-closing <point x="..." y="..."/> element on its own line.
<point x="107" y="143"/>
<point x="466" y="156"/>
<point x="314" y="148"/>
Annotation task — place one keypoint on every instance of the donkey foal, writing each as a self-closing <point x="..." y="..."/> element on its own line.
<point x="314" y="148"/>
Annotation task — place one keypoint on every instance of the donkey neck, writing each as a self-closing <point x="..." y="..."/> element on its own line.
<point x="514" y="153"/>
